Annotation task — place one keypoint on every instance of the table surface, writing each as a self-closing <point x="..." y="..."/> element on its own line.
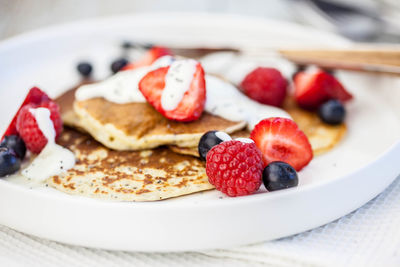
<point x="17" y="16"/>
<point x="369" y="236"/>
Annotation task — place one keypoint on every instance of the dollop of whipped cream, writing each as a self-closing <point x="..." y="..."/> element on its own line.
<point x="223" y="99"/>
<point x="53" y="159"/>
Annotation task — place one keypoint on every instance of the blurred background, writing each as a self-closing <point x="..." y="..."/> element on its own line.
<point x="360" y="20"/>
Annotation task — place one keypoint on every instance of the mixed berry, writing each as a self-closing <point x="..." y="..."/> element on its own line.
<point x="28" y="128"/>
<point x="152" y="53"/>
<point x="332" y="112"/>
<point x="24" y="133"/>
<point x="283" y="147"/>
<point x="35" y="96"/>
<point x="279" y="175"/>
<point x="209" y="140"/>
<point x="118" y="64"/>
<point x="149" y="57"/>
<point x="235" y="168"/>
<point x="280" y="139"/>
<point x="276" y="150"/>
<point x="265" y="85"/>
<point x="315" y="87"/>
<point x="84" y="68"/>
<point x="192" y="104"/>
<point x="9" y="161"/>
<point x="16" y="144"/>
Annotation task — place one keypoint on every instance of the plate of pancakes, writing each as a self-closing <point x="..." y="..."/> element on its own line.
<point x="138" y="183"/>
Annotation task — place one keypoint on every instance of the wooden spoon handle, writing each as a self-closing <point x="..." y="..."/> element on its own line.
<point x="372" y="60"/>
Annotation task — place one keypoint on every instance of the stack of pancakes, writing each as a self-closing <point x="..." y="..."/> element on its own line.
<point x="130" y="152"/>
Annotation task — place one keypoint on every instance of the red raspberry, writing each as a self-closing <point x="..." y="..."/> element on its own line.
<point x="36" y="97"/>
<point x="55" y="115"/>
<point x="29" y="130"/>
<point x="265" y="85"/>
<point x="235" y="168"/>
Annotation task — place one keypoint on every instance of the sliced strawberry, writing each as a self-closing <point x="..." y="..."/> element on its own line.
<point x="192" y="104"/>
<point x="337" y="91"/>
<point x="280" y="139"/>
<point x="314" y="88"/>
<point x="152" y="55"/>
<point x="35" y="96"/>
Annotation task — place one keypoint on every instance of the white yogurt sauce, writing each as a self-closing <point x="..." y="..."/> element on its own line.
<point x="223" y="136"/>
<point x="53" y="159"/>
<point x="244" y="140"/>
<point x="223" y="99"/>
<point x="177" y="82"/>
<point x="122" y="87"/>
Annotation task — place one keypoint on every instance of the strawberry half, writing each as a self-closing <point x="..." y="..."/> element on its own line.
<point x="149" y="57"/>
<point x="192" y="104"/>
<point x="280" y="139"/>
<point x="35" y="96"/>
<point x="314" y="88"/>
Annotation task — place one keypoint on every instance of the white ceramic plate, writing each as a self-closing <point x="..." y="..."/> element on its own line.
<point x="333" y="185"/>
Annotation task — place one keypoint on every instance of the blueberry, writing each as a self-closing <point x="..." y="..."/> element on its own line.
<point x="9" y="162"/>
<point x="279" y="175"/>
<point x="15" y="143"/>
<point x="332" y="112"/>
<point x="127" y="45"/>
<point x="209" y="140"/>
<point x="147" y="46"/>
<point x="118" y="64"/>
<point x="84" y="68"/>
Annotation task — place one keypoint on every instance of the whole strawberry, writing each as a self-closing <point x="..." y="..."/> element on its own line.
<point x="235" y="168"/>
<point x="28" y="127"/>
<point x="313" y="88"/>
<point x="265" y="85"/>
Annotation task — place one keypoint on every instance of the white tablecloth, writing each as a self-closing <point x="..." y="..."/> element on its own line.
<point x="369" y="236"/>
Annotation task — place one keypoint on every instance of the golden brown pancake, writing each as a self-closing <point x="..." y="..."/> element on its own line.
<point x="193" y="151"/>
<point x="146" y="175"/>
<point x="323" y="137"/>
<point x="68" y="115"/>
<point x="136" y="126"/>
